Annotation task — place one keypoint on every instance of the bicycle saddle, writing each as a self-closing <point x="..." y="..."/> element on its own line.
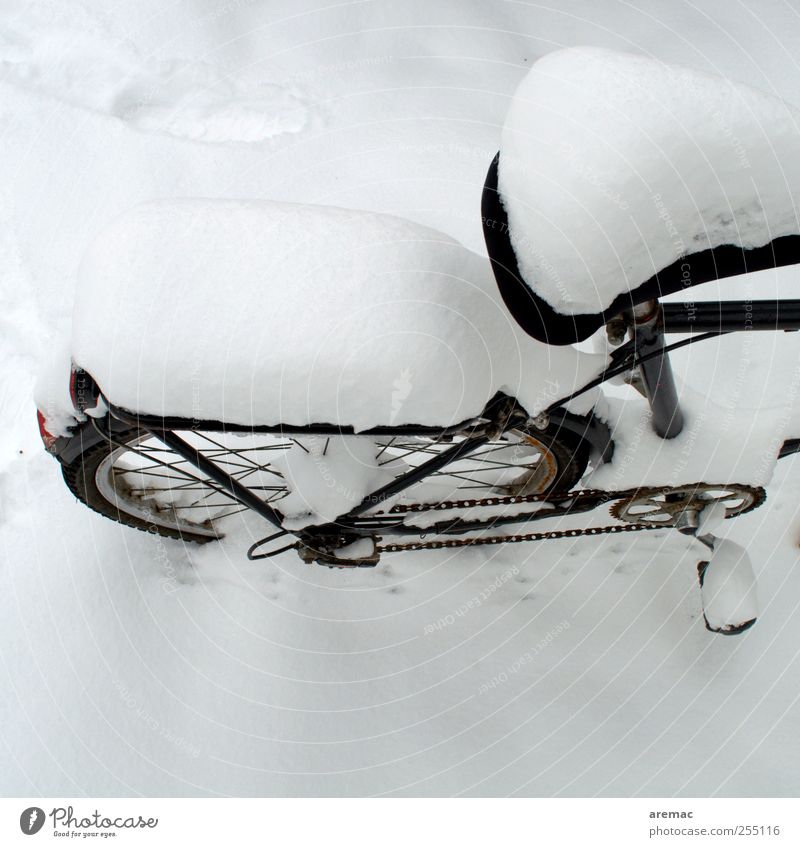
<point x="621" y="179"/>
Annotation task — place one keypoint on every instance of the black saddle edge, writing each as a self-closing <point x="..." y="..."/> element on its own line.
<point x="538" y="318"/>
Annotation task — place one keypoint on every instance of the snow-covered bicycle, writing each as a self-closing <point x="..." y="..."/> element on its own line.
<point x="368" y="385"/>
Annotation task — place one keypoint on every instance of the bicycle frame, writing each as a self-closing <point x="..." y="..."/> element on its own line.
<point x="651" y="321"/>
<point x="647" y="324"/>
<point x="500" y="414"/>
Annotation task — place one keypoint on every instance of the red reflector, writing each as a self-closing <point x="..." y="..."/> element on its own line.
<point x="48" y="439"/>
<point x="73" y="388"/>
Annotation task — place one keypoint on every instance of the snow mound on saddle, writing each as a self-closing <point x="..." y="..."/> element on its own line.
<point x="259" y="312"/>
<point x="612" y="166"/>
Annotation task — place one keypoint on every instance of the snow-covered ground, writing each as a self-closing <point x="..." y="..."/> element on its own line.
<point x="136" y="666"/>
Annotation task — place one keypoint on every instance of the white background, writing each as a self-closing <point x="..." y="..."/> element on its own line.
<point x="133" y="667"/>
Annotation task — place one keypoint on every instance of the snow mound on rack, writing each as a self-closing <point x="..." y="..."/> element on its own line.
<point x="265" y="313"/>
<point x="613" y="166"/>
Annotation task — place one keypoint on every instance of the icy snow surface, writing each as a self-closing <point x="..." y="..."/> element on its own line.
<point x="612" y="166"/>
<point x="130" y="665"/>
<point x="322" y="315"/>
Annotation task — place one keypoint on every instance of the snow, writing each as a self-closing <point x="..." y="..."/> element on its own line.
<point x="710" y="520"/>
<point x="730" y="595"/>
<point x="133" y="665"/>
<point x="77" y="61"/>
<point x="320" y="313"/>
<point x="51" y="393"/>
<point x="614" y="165"/>
<point x="697" y="453"/>
<point x="327" y="477"/>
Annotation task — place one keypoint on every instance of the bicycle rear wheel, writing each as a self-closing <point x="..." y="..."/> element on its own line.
<point x="139" y="482"/>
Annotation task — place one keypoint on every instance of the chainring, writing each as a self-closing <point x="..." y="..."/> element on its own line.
<point x="663" y="506"/>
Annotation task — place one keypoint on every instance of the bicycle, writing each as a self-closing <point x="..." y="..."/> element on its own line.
<point x="148" y="461"/>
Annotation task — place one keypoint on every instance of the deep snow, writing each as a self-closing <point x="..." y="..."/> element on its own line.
<point x="268" y="313"/>
<point x="131" y="665"/>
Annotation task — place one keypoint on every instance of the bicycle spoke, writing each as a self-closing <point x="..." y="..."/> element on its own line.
<point x="385" y="448"/>
<point x="164" y="476"/>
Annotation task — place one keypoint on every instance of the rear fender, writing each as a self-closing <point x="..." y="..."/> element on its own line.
<point x="84" y="435"/>
<point x="590" y="428"/>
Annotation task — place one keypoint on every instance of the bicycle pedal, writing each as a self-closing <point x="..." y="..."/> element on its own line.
<point x="340" y="552"/>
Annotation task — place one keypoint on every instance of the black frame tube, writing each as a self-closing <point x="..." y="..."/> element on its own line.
<point x="454" y="526"/>
<point x="658" y="379"/>
<point x="342" y="524"/>
<point x="216" y="474"/>
<point x="731" y="316"/>
<point x="689" y="317"/>
<point x="463" y="448"/>
<point x="151" y="422"/>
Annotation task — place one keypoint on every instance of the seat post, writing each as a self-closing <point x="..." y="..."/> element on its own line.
<point x="647" y="331"/>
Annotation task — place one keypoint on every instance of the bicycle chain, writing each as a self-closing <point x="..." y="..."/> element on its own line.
<point x="603" y="496"/>
<point x="510" y="500"/>
<point x="514" y="539"/>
